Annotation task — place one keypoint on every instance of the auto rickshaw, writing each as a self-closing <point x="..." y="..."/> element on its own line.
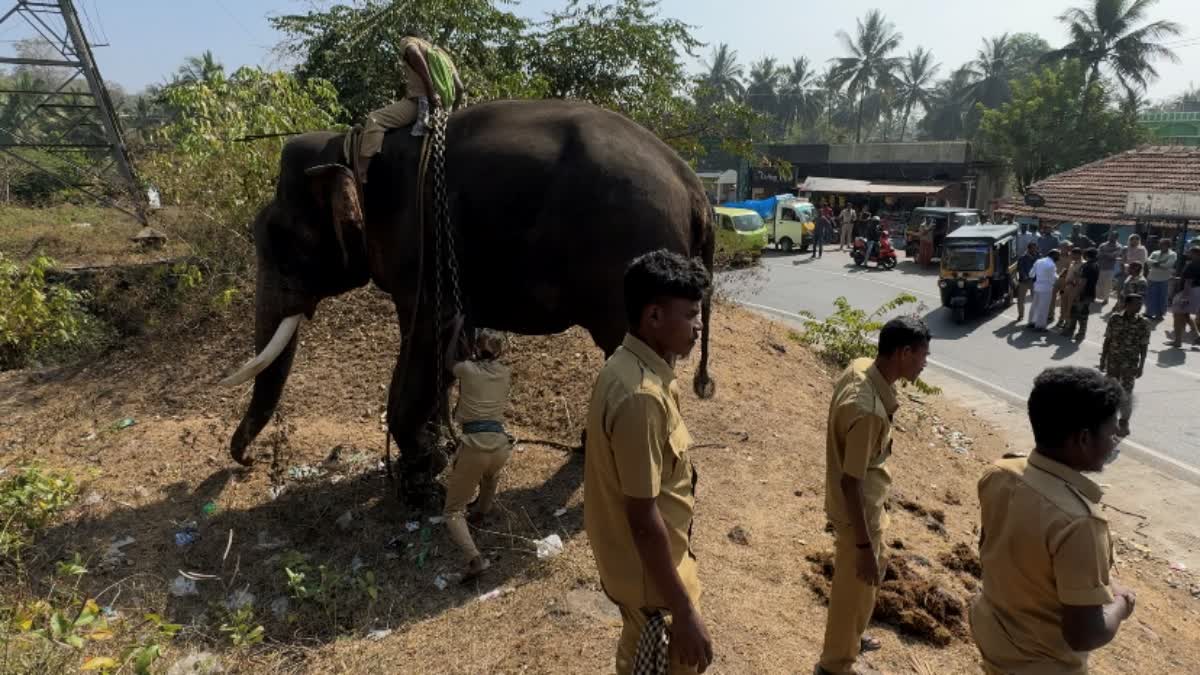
<point x="978" y="266"/>
<point x="942" y="220"/>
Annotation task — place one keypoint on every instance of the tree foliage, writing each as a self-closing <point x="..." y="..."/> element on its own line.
<point x="1106" y="33"/>
<point x="870" y="64"/>
<point x="357" y="48"/>
<point x="1056" y="121"/>
<point x="222" y="178"/>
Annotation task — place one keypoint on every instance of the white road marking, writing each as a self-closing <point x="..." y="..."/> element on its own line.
<point x="1192" y="471"/>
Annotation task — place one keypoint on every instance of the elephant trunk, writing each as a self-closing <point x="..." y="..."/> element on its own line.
<point x="275" y="339"/>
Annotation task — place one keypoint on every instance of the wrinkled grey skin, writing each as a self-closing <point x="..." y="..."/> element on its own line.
<point x="551" y="200"/>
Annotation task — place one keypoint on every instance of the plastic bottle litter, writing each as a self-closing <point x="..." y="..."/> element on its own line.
<point x="181" y="586"/>
<point x="124" y="423"/>
<point x="412" y="526"/>
<point x="379" y="634"/>
<point x="549" y="547"/>
<point x="440" y="582"/>
<point x="209" y="509"/>
<point x="560" y="513"/>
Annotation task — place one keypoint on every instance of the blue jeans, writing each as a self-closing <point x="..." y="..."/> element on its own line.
<point x="1156" y="298"/>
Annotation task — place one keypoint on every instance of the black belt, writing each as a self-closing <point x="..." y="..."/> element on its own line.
<point x="482" y="427"/>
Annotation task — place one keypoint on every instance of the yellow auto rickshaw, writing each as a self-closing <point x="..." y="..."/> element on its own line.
<point x="978" y="266"/>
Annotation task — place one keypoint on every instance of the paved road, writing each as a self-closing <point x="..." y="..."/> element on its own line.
<point x="993" y="351"/>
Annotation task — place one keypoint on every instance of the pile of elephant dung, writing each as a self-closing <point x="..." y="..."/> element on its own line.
<point x="913" y="598"/>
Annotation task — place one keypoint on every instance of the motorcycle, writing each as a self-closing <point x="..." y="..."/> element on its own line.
<point x="884" y="255"/>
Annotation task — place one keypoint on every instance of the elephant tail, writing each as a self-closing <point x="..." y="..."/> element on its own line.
<point x="703" y="244"/>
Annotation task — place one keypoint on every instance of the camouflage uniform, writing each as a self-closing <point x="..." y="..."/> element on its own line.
<point x="1125" y="342"/>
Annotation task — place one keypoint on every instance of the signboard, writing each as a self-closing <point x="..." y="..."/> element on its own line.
<point x="1034" y="200"/>
<point x="1165" y="205"/>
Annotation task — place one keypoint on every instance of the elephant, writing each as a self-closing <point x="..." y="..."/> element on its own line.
<point x="550" y="201"/>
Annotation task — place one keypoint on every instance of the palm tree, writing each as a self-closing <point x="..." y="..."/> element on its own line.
<point x="916" y="84"/>
<point x="762" y="93"/>
<point x="1106" y="34"/>
<point x="946" y="118"/>
<point x="870" y="64"/>
<point x="798" y="93"/>
<point x="724" y="77"/>
<point x="201" y="68"/>
<point x="992" y="70"/>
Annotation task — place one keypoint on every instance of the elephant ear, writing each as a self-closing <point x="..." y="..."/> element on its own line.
<point x="335" y="188"/>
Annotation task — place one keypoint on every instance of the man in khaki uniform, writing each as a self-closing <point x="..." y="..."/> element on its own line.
<point x="1047" y="595"/>
<point x="857" y="482"/>
<point x="484" y="448"/>
<point x="638" y="478"/>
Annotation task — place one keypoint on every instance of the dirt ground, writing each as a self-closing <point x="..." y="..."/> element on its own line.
<point x="760" y="466"/>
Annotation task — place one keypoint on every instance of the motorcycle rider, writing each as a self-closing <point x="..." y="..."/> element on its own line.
<point x="872" y="236"/>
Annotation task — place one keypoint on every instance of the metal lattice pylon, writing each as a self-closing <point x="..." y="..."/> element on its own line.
<point x="92" y="130"/>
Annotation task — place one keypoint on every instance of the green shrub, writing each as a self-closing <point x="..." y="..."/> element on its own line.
<point x="36" y="318"/>
<point x="29" y="501"/>
<point x="849" y="333"/>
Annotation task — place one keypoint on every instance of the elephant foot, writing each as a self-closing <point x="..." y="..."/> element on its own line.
<point x="418" y="471"/>
<point x="421" y="495"/>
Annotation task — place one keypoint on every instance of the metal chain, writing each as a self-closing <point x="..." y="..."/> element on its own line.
<point x="441" y="202"/>
<point x="444" y="236"/>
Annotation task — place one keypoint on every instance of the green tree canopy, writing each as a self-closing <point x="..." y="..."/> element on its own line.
<point x="1057" y="121"/>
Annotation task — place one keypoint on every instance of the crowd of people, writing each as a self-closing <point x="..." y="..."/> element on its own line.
<point x="1074" y="277"/>
<point x="1047" y="597"/>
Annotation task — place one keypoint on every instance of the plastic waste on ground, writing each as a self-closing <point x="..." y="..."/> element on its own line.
<point x="549" y="547"/>
<point x="187" y="535"/>
<point x="181" y="586"/>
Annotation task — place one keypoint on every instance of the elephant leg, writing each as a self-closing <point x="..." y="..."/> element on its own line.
<point x="412" y="402"/>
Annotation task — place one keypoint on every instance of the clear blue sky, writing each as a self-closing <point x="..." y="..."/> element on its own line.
<point x="150" y="38"/>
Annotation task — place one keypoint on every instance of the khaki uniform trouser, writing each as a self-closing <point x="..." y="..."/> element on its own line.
<point x="402" y="113"/>
<point x="1023" y="288"/>
<point x="632" y="623"/>
<point x="851" y="602"/>
<point x="846" y="234"/>
<point x="473" y="468"/>
<point x="1066" y="298"/>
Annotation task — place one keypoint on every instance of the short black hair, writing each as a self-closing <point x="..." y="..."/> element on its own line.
<point x="662" y="274"/>
<point x="1069" y="399"/>
<point x="1054" y="254"/>
<point x="901" y="332"/>
<point x="416" y="33"/>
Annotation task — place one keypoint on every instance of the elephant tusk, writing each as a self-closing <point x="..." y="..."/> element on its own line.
<point x="283" y="335"/>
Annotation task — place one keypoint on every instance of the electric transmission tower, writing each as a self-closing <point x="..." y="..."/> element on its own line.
<point x="87" y="135"/>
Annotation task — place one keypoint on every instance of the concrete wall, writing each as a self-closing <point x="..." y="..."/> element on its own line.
<point x="951" y="152"/>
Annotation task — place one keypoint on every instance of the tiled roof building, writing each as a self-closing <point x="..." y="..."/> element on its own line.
<point x="1096" y="192"/>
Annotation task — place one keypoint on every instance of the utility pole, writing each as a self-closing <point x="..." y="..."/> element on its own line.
<point x="92" y="142"/>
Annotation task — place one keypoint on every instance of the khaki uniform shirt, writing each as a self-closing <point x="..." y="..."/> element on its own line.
<point x="637" y="446"/>
<point x="859" y="441"/>
<point x="1045" y="545"/>
<point x="483" y="396"/>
